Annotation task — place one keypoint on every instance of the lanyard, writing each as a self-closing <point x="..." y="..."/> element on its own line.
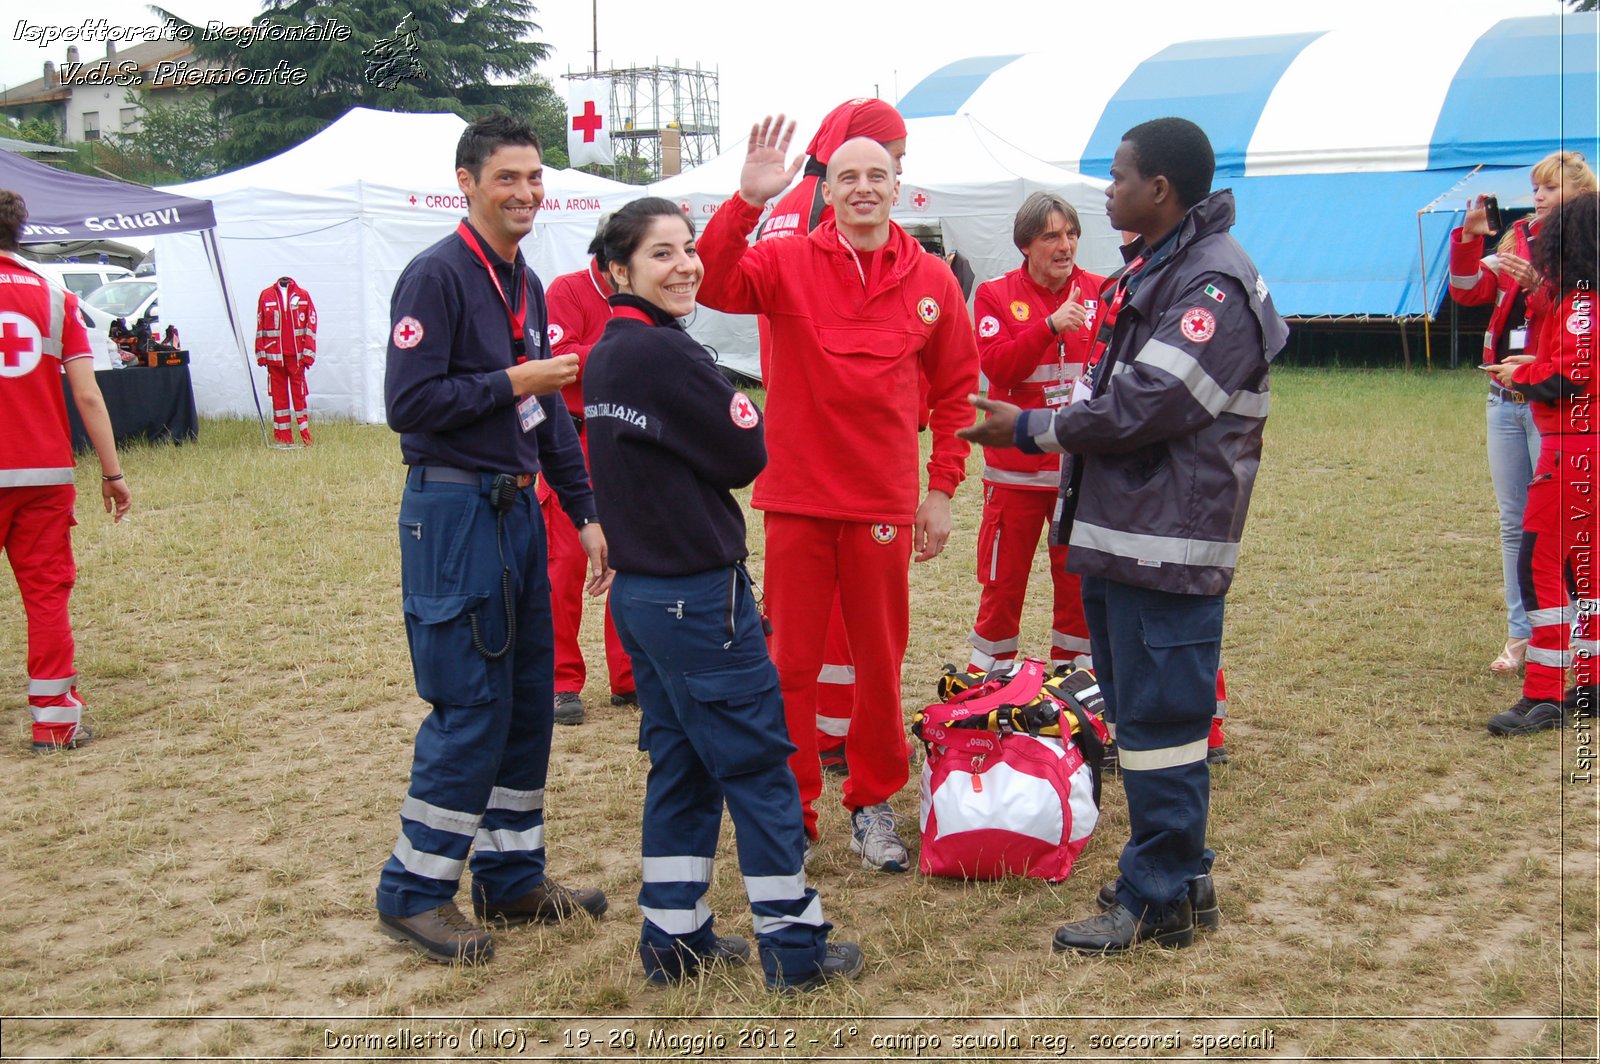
<point x="1108" y="316"/>
<point x="517" y="318"/>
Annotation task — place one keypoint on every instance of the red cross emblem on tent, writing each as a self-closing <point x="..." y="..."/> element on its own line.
<point x="20" y="345"/>
<point x="684" y="206"/>
<point x="589" y="122"/>
<point x="919" y="199"/>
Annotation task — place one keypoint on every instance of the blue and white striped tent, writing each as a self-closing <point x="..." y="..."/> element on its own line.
<point x="1333" y="141"/>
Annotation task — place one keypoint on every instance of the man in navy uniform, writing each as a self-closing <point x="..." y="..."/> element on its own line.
<point x="1165" y="442"/>
<point x="474" y="393"/>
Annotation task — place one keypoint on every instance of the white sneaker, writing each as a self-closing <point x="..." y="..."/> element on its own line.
<point x="873" y="836"/>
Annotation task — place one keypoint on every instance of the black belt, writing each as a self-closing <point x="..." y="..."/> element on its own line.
<point x="450" y="475"/>
<point x="1507" y="394"/>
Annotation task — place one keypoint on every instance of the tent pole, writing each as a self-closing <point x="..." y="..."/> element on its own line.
<point x="1427" y="333"/>
<point x="208" y="237"/>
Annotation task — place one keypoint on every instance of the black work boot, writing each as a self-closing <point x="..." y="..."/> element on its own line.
<point x="1525" y="718"/>
<point x="1117" y="930"/>
<point x="1202" y="899"/>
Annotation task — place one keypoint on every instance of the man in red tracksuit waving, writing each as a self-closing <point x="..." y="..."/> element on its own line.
<point x="1035" y="325"/>
<point x="578" y="315"/>
<point x="856" y="306"/>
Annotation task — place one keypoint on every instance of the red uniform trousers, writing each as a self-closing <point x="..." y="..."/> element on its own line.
<point x="569" y="568"/>
<point x="286" y="384"/>
<point x="36" y="535"/>
<point x="1557" y="567"/>
<point x="836" y="685"/>
<point x="1013" y="520"/>
<point x="809" y="561"/>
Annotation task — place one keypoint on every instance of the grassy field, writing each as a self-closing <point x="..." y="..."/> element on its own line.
<point x="1395" y="883"/>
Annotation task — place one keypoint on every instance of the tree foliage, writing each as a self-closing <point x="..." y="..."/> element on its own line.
<point x="453" y="55"/>
<point x="1585" y="5"/>
<point x="184" y="136"/>
<point x="39" y="130"/>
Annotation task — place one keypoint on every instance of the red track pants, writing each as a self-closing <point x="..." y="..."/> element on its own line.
<point x="836" y="685"/>
<point x="36" y="535"/>
<point x="808" y="562"/>
<point x="569" y="568"/>
<point x="1013" y="520"/>
<point x="1557" y="567"/>
<point x="286" y="383"/>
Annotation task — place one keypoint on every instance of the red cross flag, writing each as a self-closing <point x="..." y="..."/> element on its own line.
<point x="589" y="121"/>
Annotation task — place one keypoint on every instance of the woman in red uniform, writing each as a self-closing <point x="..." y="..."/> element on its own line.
<point x="1557" y="553"/>
<point x="1506" y="279"/>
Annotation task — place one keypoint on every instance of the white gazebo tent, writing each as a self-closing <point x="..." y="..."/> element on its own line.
<point x="342" y="213"/>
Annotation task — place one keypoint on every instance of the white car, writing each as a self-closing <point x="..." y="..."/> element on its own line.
<point x="129" y="298"/>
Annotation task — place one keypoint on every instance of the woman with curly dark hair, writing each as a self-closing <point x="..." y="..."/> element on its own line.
<point x="1508" y="280"/>
<point x="1557" y="555"/>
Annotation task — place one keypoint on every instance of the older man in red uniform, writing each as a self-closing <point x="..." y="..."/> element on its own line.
<point x="42" y="335"/>
<point x="1034" y="329"/>
<point x="856" y="308"/>
<point x="578" y="315"/>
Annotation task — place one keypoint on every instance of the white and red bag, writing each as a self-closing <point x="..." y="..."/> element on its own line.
<point x="1001" y="795"/>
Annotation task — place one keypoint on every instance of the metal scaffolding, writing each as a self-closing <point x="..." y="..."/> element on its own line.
<point x="657" y="111"/>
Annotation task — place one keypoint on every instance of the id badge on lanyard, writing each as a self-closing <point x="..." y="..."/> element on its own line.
<point x="529" y="413"/>
<point x="1517" y="339"/>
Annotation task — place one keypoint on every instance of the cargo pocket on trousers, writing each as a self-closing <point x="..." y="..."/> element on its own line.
<point x="1184" y="648"/>
<point x="736" y="719"/>
<point x="447" y="668"/>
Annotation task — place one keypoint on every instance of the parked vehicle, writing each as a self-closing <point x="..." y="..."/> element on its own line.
<point x="79" y="278"/>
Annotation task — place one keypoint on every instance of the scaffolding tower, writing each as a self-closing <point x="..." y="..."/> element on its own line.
<point x="665" y="116"/>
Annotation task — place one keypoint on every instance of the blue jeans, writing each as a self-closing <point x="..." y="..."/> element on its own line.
<point x="1156" y="655"/>
<point x="1513" y="444"/>
<point x="712" y="721"/>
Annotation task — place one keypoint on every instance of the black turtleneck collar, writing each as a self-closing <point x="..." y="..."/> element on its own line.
<point x="657" y="315"/>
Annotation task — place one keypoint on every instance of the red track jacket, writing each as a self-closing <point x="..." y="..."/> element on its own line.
<point x="578" y="314"/>
<point x="842" y="406"/>
<point x="1020" y="355"/>
<point x="1560" y="381"/>
<point x="1473" y="284"/>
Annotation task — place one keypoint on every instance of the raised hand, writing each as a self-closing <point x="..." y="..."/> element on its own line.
<point x="764" y="174"/>
<point x="1070" y="316"/>
<point x="1477" y="223"/>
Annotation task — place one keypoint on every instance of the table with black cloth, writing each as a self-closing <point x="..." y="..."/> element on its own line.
<point x="145" y="402"/>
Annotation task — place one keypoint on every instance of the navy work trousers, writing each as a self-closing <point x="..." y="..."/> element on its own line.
<point x="1156" y="655"/>
<point x="478" y="774"/>
<point x="713" y="724"/>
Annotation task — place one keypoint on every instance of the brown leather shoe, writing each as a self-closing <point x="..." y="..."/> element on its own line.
<point x="443" y="934"/>
<point x="548" y="903"/>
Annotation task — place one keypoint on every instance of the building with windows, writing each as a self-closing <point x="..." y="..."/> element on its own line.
<point x="90" y="101"/>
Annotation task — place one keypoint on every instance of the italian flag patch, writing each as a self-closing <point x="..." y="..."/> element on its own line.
<point x="1215" y="293"/>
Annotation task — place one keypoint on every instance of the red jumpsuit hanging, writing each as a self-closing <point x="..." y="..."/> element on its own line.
<point x="578" y="315"/>
<point x="286" y="343"/>
<point x="40" y="331"/>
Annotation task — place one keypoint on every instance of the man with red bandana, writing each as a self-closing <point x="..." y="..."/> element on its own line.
<point x="1034" y="329"/>
<point x="856" y="307"/>
<point x="800" y="211"/>
<point x="578" y="315"/>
